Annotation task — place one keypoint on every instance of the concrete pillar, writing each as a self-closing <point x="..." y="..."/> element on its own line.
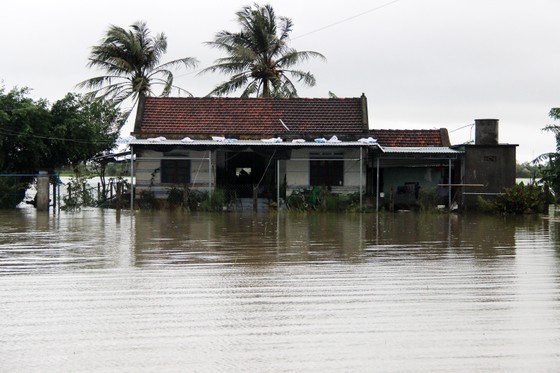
<point x="43" y="191"/>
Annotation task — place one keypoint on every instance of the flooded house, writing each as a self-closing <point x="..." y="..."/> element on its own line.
<point x="259" y="151"/>
<point x="413" y="161"/>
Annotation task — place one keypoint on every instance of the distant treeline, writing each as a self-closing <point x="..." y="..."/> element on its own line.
<point x="527" y="170"/>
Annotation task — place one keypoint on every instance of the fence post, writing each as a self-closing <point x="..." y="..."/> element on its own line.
<point x="255" y="200"/>
<point x="54" y="185"/>
<point x="119" y="194"/>
<point x="43" y="191"/>
<point x="186" y="196"/>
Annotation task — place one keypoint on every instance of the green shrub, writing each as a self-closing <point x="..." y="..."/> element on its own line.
<point x="12" y="191"/>
<point x="148" y="200"/>
<point x="330" y="202"/>
<point x="79" y="194"/>
<point x="175" y="197"/>
<point x="519" y="199"/>
<point x="297" y="201"/>
<point x="196" y="198"/>
<point x="213" y="202"/>
<point x="428" y="199"/>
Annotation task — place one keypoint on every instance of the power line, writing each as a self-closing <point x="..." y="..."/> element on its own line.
<point x="7" y="132"/>
<point x="347" y="19"/>
<point x="460" y="128"/>
<point x="319" y="29"/>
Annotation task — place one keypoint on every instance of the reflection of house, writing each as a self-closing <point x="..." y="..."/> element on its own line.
<point x="268" y="148"/>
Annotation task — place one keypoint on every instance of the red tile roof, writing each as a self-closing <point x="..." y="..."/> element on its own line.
<point x="251" y="117"/>
<point x="411" y="138"/>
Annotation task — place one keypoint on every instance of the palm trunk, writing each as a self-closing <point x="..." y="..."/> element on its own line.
<point x="139" y="112"/>
<point x="266" y="89"/>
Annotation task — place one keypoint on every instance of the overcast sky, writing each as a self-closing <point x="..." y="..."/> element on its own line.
<point x="421" y="63"/>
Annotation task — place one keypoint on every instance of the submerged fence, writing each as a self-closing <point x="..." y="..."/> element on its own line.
<point x="23" y="189"/>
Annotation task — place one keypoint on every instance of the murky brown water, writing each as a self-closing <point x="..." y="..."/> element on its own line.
<point x="96" y="292"/>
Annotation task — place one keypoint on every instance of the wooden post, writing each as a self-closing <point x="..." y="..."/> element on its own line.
<point x="255" y="198"/>
<point x="54" y="194"/>
<point x="119" y="194"/>
<point x="43" y="191"/>
<point x="186" y="197"/>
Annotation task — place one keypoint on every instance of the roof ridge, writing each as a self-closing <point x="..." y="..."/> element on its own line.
<point x="256" y="98"/>
<point x="398" y="129"/>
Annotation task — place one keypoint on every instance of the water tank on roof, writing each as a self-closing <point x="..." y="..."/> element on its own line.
<point x="486" y="132"/>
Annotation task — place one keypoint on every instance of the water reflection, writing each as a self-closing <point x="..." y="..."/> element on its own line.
<point x="244" y="238"/>
<point x="174" y="291"/>
<point x="33" y="241"/>
<point x="106" y="239"/>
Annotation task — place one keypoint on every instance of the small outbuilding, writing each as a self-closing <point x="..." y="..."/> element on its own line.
<point x="488" y="167"/>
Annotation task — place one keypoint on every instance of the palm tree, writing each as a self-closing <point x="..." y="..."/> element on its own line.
<point x="259" y="59"/>
<point x="131" y="59"/>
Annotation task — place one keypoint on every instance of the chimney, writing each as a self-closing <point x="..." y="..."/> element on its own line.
<point x="486" y="132"/>
<point x="365" y="119"/>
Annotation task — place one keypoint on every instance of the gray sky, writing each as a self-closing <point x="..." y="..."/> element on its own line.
<point x="421" y="63"/>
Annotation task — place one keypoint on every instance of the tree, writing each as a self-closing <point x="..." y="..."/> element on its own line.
<point x="527" y="170"/>
<point x="34" y="136"/>
<point x="24" y="126"/>
<point x="131" y="60"/>
<point x="549" y="163"/>
<point x="82" y="129"/>
<point x="259" y="58"/>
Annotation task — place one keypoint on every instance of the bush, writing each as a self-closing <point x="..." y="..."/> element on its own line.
<point x="175" y="197"/>
<point x="79" y="193"/>
<point x="12" y="191"/>
<point x="519" y="199"/>
<point x="297" y="201"/>
<point x="148" y="200"/>
<point x="213" y="202"/>
<point x="428" y="200"/>
<point x="322" y="200"/>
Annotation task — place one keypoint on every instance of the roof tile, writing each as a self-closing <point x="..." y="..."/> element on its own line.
<point x="411" y="138"/>
<point x="247" y="118"/>
<point x="175" y="117"/>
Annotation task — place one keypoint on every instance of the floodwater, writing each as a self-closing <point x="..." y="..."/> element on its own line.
<point x="98" y="291"/>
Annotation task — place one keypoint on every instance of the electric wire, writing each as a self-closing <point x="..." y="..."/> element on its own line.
<point x="347" y="19"/>
<point x="80" y="141"/>
<point x="6" y="132"/>
<point x="195" y="71"/>
<point x="460" y="128"/>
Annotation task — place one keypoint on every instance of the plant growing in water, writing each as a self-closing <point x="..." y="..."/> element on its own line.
<point x="519" y="199"/>
<point x="79" y="194"/>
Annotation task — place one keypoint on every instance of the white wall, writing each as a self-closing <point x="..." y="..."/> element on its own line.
<point x="297" y="170"/>
<point x="145" y="165"/>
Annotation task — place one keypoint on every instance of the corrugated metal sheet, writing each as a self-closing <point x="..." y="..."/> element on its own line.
<point x="241" y="143"/>
<point x="421" y="150"/>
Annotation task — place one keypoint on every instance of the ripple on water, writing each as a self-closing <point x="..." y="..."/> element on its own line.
<point x="141" y="294"/>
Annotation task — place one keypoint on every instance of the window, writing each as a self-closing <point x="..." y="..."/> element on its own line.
<point x="326" y="170"/>
<point x="176" y="171"/>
